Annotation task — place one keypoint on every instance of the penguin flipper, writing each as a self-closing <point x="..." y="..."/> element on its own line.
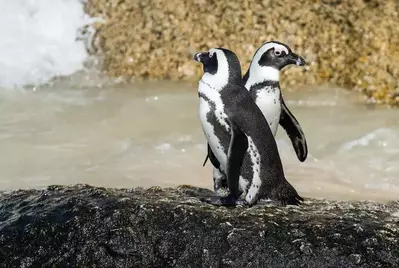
<point x="219" y="182"/>
<point x="206" y="159"/>
<point x="212" y="157"/>
<point x="235" y="156"/>
<point x="294" y="131"/>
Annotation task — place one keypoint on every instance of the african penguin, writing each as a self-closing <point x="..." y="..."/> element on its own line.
<point x="238" y="134"/>
<point x="262" y="81"/>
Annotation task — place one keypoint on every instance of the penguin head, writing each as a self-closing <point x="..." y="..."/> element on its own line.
<point x="221" y="66"/>
<point x="278" y="55"/>
<point x="270" y="58"/>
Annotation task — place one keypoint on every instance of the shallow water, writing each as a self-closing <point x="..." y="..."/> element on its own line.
<point x="147" y="134"/>
<point x="86" y="129"/>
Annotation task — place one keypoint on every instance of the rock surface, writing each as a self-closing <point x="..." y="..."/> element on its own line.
<point x="84" y="226"/>
<point x="348" y="43"/>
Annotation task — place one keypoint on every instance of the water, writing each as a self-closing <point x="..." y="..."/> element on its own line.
<point x="149" y="134"/>
<point x="84" y="128"/>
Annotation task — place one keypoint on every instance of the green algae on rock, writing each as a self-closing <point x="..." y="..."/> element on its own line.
<point x="348" y="43"/>
<point x="85" y="226"/>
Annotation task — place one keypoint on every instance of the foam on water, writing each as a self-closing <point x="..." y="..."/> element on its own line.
<point x="39" y="40"/>
<point x="382" y="137"/>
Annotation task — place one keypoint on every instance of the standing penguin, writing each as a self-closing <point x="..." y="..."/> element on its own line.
<point x="238" y="134"/>
<point x="262" y="80"/>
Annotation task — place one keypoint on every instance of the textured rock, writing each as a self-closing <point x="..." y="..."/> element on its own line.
<point x="83" y="226"/>
<point x="349" y="43"/>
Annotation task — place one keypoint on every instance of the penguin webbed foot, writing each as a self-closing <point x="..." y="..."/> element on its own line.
<point x="226" y="201"/>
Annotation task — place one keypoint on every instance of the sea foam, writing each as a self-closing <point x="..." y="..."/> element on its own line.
<point x="38" y="40"/>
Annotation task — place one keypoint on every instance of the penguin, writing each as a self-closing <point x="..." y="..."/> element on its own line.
<point x="262" y="80"/>
<point x="239" y="135"/>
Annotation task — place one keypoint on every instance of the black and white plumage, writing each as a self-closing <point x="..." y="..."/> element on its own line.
<point x="238" y="134"/>
<point x="262" y="80"/>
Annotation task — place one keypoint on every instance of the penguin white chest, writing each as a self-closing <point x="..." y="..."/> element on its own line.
<point x="211" y="106"/>
<point x="268" y="100"/>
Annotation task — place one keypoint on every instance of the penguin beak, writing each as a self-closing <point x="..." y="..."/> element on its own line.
<point x="295" y="59"/>
<point x="197" y="56"/>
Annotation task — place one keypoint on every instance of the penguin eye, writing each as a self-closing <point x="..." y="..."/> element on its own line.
<point x="277" y="53"/>
<point x="210" y="55"/>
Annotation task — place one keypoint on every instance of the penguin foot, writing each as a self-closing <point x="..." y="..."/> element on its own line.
<point x="227" y="201"/>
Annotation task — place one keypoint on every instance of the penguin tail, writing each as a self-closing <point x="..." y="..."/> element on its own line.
<point x="287" y="195"/>
<point x="294" y="200"/>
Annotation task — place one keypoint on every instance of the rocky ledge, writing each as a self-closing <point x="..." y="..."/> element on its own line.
<point x="348" y="43"/>
<point x="85" y="226"/>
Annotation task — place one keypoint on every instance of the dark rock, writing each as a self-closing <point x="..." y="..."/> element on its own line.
<point x="84" y="226"/>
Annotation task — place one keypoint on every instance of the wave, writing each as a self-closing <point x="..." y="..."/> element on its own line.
<point x="39" y="40"/>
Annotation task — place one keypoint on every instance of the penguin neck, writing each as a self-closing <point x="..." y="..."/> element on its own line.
<point x="208" y="92"/>
<point x="260" y="74"/>
<point x="214" y="82"/>
<point x="219" y="82"/>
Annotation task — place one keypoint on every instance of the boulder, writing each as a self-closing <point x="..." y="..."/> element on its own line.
<point x="352" y="44"/>
<point x="86" y="226"/>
